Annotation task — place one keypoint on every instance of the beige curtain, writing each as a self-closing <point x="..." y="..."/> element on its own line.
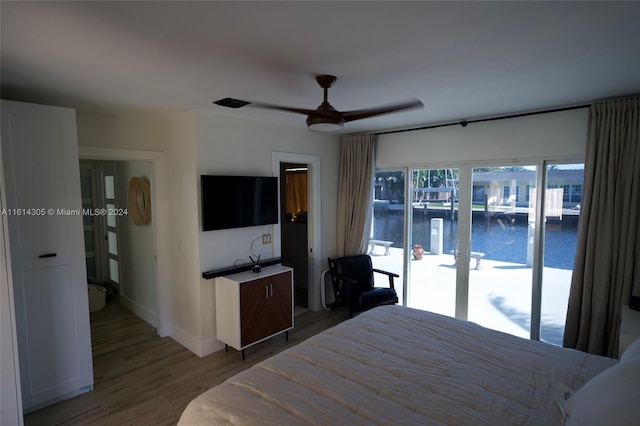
<point x="296" y="192"/>
<point x="607" y="264"/>
<point x="355" y="194"/>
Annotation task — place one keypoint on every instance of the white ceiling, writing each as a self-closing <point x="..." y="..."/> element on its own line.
<point x="463" y="60"/>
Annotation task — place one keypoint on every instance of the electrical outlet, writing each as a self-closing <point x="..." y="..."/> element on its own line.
<point x="266" y="238"/>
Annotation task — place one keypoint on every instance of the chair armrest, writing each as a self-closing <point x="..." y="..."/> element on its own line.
<point x="391" y="276"/>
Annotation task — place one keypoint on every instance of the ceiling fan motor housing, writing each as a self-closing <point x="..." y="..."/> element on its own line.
<point x="324" y="123"/>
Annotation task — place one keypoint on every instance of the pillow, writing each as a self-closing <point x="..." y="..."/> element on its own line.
<point x="562" y="394"/>
<point x="632" y="351"/>
<point x="610" y="398"/>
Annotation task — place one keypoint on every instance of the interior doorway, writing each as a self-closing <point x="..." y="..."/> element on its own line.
<point x="158" y="224"/>
<point x="120" y="255"/>
<point x="294" y="234"/>
<point x="314" y="222"/>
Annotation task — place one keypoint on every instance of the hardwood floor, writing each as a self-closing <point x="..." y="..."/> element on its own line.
<point x="143" y="379"/>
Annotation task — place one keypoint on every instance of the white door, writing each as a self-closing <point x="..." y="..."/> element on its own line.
<point x="40" y="155"/>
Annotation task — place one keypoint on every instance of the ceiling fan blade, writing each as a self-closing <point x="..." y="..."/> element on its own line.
<point x="388" y="109"/>
<point x="283" y="108"/>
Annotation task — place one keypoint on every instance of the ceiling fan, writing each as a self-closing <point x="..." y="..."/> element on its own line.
<point x="326" y="117"/>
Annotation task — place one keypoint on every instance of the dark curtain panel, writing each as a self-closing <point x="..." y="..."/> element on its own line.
<point x="607" y="263"/>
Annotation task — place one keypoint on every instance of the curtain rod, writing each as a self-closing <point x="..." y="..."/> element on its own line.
<point x="464" y="123"/>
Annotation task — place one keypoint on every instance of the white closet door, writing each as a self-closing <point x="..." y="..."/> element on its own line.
<point x="40" y="155"/>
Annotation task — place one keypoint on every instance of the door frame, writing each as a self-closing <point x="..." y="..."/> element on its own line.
<point x="465" y="198"/>
<point x="10" y="386"/>
<point x="160" y="233"/>
<point x="314" y="216"/>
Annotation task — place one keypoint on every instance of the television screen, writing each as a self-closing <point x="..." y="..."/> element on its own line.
<point x="238" y="201"/>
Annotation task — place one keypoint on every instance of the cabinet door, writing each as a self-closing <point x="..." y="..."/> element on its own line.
<point x="280" y="301"/>
<point x="40" y="155"/>
<point x="254" y="320"/>
<point x="265" y="306"/>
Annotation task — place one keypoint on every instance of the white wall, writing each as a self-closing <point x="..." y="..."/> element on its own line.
<point x="174" y="219"/>
<point x="136" y="248"/>
<point x="183" y="233"/>
<point x="232" y="146"/>
<point x="558" y="135"/>
<point x="195" y="143"/>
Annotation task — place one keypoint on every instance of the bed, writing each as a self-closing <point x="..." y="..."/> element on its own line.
<point x="396" y="365"/>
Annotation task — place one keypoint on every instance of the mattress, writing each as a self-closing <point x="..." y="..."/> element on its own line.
<point x="396" y="365"/>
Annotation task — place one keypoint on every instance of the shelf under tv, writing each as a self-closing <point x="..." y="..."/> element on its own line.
<point x="207" y="275"/>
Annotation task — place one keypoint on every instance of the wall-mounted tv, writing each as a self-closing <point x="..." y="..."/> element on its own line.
<point x="238" y="201"/>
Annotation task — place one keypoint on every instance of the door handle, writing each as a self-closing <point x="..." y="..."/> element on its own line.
<point x="43" y="256"/>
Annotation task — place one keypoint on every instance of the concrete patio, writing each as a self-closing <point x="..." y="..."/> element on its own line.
<point x="499" y="292"/>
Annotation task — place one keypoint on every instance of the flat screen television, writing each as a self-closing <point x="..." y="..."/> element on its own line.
<point x="238" y="201"/>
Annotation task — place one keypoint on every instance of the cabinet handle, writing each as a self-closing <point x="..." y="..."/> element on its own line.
<point x="271" y="286"/>
<point x="44" y="256"/>
<point x="266" y="292"/>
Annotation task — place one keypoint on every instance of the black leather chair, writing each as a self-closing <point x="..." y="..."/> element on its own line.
<point x="353" y="284"/>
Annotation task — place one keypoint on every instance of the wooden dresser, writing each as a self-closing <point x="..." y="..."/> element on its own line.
<point x="252" y="307"/>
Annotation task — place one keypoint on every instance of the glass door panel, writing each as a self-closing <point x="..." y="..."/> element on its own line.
<point x="501" y="251"/>
<point x="89" y="226"/>
<point x="386" y="246"/>
<point x="562" y="212"/>
<point x="434" y="235"/>
<point x="111" y="227"/>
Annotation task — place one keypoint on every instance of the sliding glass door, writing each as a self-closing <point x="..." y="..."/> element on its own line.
<point x="502" y="244"/>
<point x="562" y="213"/>
<point x="473" y="242"/>
<point x="434" y="236"/>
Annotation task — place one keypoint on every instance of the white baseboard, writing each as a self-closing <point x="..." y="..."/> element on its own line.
<point x="64" y="397"/>
<point x="201" y="348"/>
<point x="198" y="347"/>
<point x="139" y="310"/>
<point x="210" y="346"/>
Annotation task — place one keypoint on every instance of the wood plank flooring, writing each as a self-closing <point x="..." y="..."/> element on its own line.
<point x="142" y="379"/>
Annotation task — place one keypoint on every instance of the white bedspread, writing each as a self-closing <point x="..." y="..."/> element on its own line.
<point x="395" y="365"/>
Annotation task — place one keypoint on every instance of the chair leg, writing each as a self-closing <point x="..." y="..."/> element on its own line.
<point x="349" y="307"/>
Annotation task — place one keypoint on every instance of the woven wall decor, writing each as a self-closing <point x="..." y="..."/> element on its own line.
<point x="139" y="200"/>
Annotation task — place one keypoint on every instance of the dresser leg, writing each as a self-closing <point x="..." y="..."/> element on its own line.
<point x="226" y="347"/>
<point x="243" y="354"/>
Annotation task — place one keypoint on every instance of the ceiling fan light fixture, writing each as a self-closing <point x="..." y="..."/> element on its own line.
<point x="325" y="124"/>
